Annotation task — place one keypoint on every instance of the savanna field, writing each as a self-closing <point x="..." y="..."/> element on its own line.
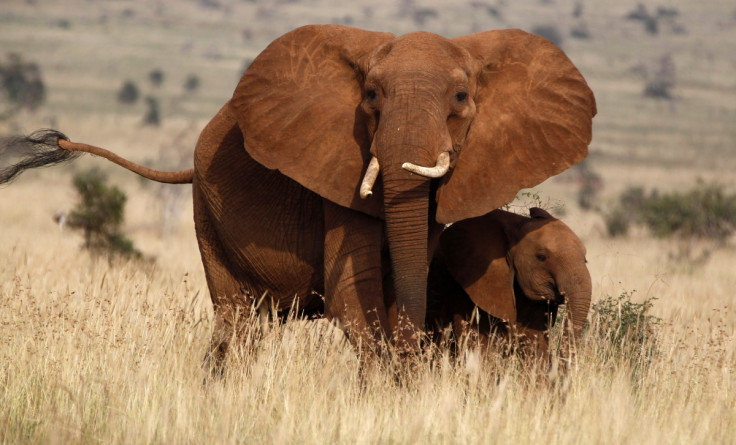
<point x="97" y="351"/>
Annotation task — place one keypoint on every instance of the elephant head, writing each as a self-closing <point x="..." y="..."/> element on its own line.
<point x="414" y="129"/>
<point x="519" y="268"/>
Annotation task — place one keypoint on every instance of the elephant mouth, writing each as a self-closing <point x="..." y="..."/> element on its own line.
<point x="559" y="297"/>
<point x="554" y="296"/>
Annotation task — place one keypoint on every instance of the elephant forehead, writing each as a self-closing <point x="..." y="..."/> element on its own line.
<point x="420" y="40"/>
<point x="554" y="236"/>
<point x="421" y="51"/>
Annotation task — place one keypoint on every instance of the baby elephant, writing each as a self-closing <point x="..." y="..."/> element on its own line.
<point x="516" y="271"/>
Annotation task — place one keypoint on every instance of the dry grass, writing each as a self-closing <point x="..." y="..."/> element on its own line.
<point x="96" y="353"/>
<point x="113" y="354"/>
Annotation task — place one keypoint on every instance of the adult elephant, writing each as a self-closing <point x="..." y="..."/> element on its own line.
<point x="506" y="274"/>
<point x="343" y="152"/>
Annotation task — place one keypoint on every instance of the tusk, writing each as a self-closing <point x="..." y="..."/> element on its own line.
<point x="371" y="173"/>
<point x="438" y="171"/>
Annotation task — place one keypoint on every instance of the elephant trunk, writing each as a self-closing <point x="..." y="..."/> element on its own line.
<point x="407" y="214"/>
<point x="578" y="305"/>
<point x="409" y="135"/>
<point x="577" y="297"/>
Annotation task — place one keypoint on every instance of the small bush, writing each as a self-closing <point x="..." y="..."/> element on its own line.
<point x="651" y="24"/>
<point x="632" y="203"/>
<point x="617" y="223"/>
<point x="99" y="215"/>
<point x="21" y="85"/>
<point x="577" y="10"/>
<point x="153" y="113"/>
<point x="156" y="77"/>
<point x="128" y="93"/>
<point x="625" y="330"/>
<point x="580" y="31"/>
<point x="660" y="83"/>
<point x="192" y="83"/>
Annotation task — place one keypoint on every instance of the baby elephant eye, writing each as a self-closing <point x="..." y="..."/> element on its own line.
<point x="461" y="96"/>
<point x="542" y="257"/>
<point x="370" y="93"/>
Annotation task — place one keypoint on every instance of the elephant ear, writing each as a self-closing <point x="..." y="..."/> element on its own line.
<point x="539" y="213"/>
<point x="298" y="106"/>
<point x="533" y="120"/>
<point x="475" y="253"/>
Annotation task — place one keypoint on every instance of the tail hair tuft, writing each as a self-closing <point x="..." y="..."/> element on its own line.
<point x="39" y="149"/>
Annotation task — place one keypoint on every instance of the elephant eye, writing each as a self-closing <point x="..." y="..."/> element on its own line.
<point x="461" y="96"/>
<point x="370" y="93"/>
<point x="541" y="257"/>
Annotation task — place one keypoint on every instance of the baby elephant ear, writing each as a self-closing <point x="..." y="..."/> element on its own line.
<point x="298" y="106"/>
<point x="539" y="213"/>
<point x="533" y="120"/>
<point x="475" y="253"/>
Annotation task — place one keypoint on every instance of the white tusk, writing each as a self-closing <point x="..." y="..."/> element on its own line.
<point x="438" y="171"/>
<point x="371" y="173"/>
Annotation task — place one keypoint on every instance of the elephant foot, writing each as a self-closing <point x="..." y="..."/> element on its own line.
<point x="235" y="336"/>
<point x="214" y="361"/>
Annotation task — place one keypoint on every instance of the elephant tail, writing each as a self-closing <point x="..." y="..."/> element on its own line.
<point x="49" y="147"/>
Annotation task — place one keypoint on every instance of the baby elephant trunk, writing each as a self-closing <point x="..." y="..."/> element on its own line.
<point x="577" y="299"/>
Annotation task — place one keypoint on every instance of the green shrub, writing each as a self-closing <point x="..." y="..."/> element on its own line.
<point x="192" y="83"/>
<point x="21" y="85"/>
<point x="659" y="84"/>
<point x="617" y="223"/>
<point x="99" y="215"/>
<point x="153" y="114"/>
<point x="580" y="31"/>
<point x="128" y="93"/>
<point x="705" y="211"/>
<point x="156" y="77"/>
<point x="624" y="330"/>
<point x="651" y="24"/>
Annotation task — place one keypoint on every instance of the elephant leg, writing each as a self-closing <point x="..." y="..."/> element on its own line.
<point x="532" y="342"/>
<point x="353" y="275"/>
<point x="531" y="330"/>
<point x="231" y="303"/>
